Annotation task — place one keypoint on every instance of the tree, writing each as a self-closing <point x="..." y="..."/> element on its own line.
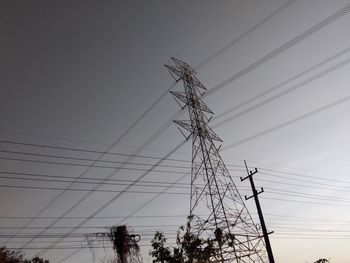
<point x="10" y="256"/>
<point x="190" y="248"/>
<point x="124" y="244"/>
<point x="161" y="253"/>
<point x="36" y="260"/>
<point x="322" y="260"/>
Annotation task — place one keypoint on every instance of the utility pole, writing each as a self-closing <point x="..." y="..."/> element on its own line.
<point x="217" y="211"/>
<point x="261" y="216"/>
<point x="124" y="243"/>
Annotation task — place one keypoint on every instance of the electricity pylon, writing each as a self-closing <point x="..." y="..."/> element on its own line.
<point x="227" y="221"/>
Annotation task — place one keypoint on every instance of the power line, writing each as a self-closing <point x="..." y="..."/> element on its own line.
<point x="86" y="150"/>
<point x="151" y="184"/>
<point x="302" y="185"/>
<point x="285" y="92"/>
<point x="91" y="190"/>
<point x="115" y="197"/>
<point x="85" y="180"/>
<point x="297" y="194"/>
<point x="305" y="224"/>
<point x="283" y="83"/>
<point x="275" y="237"/>
<point x="293" y="200"/>
<point x="144" y="227"/>
<point x="169" y="166"/>
<point x="82" y="165"/>
<point x="62" y="247"/>
<point x="315" y="196"/>
<point x="243" y="35"/>
<point x="328" y="105"/>
<point x="302" y="175"/>
<point x="108" y="177"/>
<point x="303" y="220"/>
<point x="305" y="202"/>
<point x="170" y="171"/>
<point x="312" y="235"/>
<point x="53" y="137"/>
<point x="165" y="227"/>
<point x="138" y="120"/>
<point x="88" y="159"/>
<point x="307" y="232"/>
<point x="160" y="165"/>
<point x="292" y="121"/>
<point x="309" y="196"/>
<point x="95" y="217"/>
<point x="299" y="38"/>
<point x="345" y="10"/>
<point x="94" y="181"/>
<point x="315" y="230"/>
<point x="157" y="101"/>
<point x="312" y="238"/>
<point x="305" y="181"/>
<point x="157" y="184"/>
<point x="321" y="25"/>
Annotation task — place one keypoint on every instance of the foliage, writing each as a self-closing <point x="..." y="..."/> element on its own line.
<point x="36" y="260"/>
<point x="190" y="248"/>
<point x="160" y="252"/>
<point x="9" y="256"/>
<point x="124" y="244"/>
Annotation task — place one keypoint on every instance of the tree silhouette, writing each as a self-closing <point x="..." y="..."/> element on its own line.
<point x="124" y="243"/>
<point x="190" y="248"/>
<point x="10" y="256"/>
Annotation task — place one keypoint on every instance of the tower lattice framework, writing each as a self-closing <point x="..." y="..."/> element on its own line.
<point x="217" y="211"/>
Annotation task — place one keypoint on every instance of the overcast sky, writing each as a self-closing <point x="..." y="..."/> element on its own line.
<point x="89" y="76"/>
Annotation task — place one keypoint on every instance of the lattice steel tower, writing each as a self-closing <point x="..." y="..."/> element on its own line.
<point x="213" y="192"/>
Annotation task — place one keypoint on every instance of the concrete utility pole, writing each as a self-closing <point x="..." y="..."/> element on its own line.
<point x="261" y="216"/>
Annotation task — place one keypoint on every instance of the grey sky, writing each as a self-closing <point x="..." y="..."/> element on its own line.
<point x="79" y="74"/>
